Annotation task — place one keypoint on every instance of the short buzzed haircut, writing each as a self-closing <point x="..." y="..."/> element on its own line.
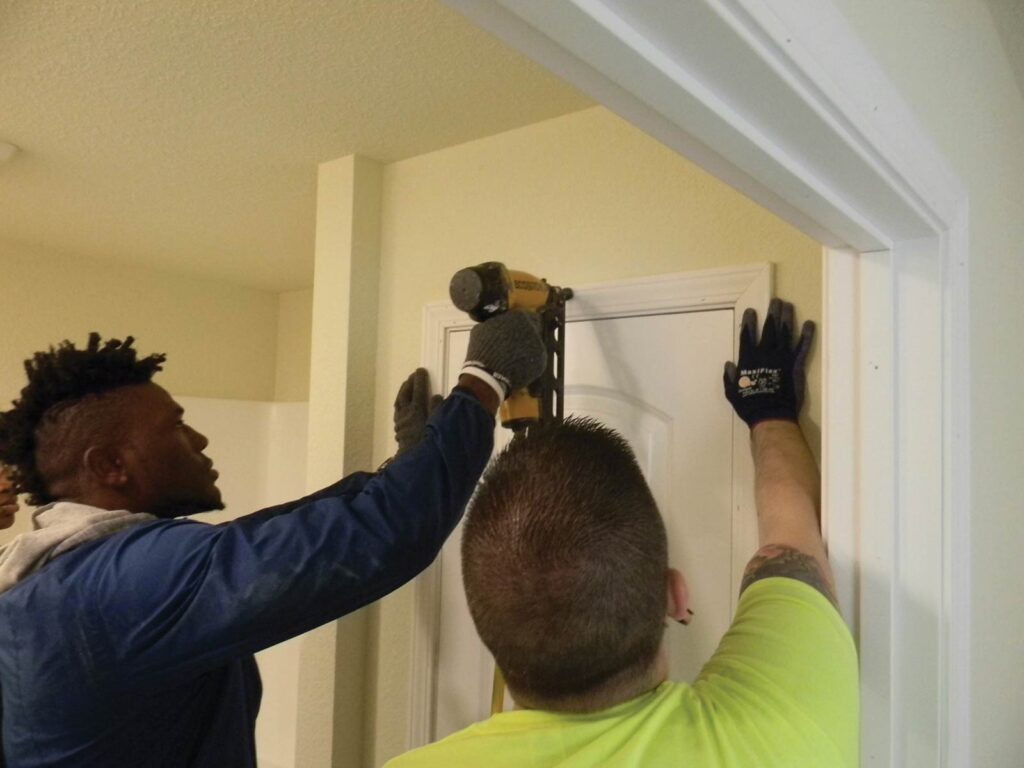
<point x="564" y="558"/>
<point x="63" y="406"/>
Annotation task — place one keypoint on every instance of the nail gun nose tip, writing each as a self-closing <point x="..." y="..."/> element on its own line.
<point x="465" y="289"/>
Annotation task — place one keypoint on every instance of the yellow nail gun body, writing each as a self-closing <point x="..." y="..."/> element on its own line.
<point x="489" y="289"/>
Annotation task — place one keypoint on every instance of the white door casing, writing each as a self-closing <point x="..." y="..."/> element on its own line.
<point x="722" y="289"/>
<point x="779" y="99"/>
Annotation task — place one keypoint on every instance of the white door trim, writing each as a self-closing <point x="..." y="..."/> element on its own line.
<point x="731" y="288"/>
<point x="779" y="99"/>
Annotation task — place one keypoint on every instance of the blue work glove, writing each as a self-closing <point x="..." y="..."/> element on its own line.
<point x="770" y="380"/>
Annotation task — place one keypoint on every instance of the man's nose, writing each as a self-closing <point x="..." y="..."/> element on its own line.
<point x="199" y="439"/>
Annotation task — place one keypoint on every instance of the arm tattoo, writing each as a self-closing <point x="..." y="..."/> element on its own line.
<point x="780" y="560"/>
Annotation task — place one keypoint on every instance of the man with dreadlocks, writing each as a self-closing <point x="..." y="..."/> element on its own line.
<point x="127" y="634"/>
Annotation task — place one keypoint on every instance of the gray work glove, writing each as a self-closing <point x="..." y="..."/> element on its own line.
<point x="509" y="349"/>
<point x="769" y="381"/>
<point x="413" y="407"/>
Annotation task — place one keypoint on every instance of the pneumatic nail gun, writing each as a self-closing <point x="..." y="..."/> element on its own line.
<point x="489" y="289"/>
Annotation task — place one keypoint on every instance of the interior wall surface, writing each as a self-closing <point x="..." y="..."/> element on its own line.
<point x="582" y="198"/>
<point x="215" y="334"/>
<point x="946" y="60"/>
<point x="294" y="340"/>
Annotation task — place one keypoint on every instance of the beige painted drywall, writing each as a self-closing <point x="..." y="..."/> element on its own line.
<point x="294" y="329"/>
<point x="579" y="199"/>
<point x="946" y="60"/>
<point x="220" y="339"/>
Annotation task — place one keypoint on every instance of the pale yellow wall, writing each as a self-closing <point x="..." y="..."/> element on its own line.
<point x="294" y="324"/>
<point x="220" y="339"/>
<point x="946" y="60"/>
<point x="579" y="199"/>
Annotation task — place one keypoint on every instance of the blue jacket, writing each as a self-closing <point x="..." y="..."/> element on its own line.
<point x="136" y="650"/>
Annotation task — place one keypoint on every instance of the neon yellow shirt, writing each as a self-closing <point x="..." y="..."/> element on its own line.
<point x="781" y="690"/>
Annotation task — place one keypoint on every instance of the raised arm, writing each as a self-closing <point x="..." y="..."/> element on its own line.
<point x="209" y="593"/>
<point x="788" y="509"/>
<point x="787" y="667"/>
<point x="766" y="389"/>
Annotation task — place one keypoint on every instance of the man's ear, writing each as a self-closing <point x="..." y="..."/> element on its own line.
<point x="105" y="467"/>
<point x="677" y="596"/>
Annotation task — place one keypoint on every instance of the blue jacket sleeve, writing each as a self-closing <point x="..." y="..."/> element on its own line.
<point x="182" y="596"/>
<point x="347" y="487"/>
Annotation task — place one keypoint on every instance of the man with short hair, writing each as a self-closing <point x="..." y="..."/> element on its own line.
<point x="566" y="573"/>
<point x="126" y="633"/>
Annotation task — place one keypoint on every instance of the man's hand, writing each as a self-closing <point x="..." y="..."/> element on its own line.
<point x="413" y="407"/>
<point x="770" y="379"/>
<point x="506" y="352"/>
<point x="8" y="500"/>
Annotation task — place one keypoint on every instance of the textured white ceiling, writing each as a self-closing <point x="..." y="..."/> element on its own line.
<point x="185" y="134"/>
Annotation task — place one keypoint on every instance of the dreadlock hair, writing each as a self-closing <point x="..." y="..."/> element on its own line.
<point x="564" y="555"/>
<point x="67" y="388"/>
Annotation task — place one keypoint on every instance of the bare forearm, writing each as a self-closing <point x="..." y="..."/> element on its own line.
<point x="788" y="492"/>
<point x="766" y="389"/>
<point x="787" y="482"/>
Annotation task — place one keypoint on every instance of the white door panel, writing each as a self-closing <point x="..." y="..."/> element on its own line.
<point x="656" y="380"/>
